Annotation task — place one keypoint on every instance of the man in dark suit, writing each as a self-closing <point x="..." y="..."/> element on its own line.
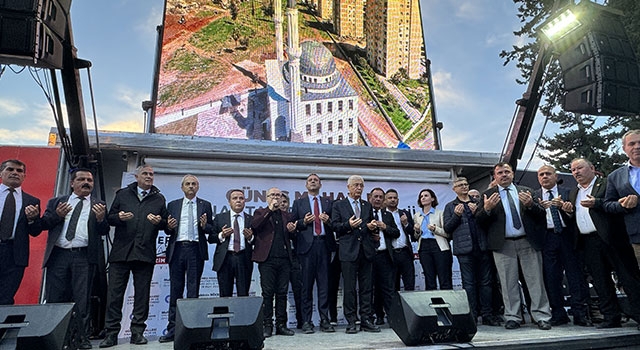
<point x="190" y="220"/>
<point x="138" y="212"/>
<point x="403" y="258"/>
<point x="601" y="239"/>
<point x="272" y="252"/>
<point x="352" y="220"/>
<point x="623" y="189"/>
<point x="233" y="237"/>
<point x="559" y="257"/>
<point x="515" y="235"/>
<point x="76" y="223"/>
<point x="385" y="233"/>
<point x="20" y="219"/>
<point x="310" y="216"/>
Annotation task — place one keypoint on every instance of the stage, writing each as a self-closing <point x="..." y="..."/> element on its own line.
<point x="566" y="337"/>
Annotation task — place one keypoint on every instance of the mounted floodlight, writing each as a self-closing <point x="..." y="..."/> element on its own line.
<point x="561" y="25"/>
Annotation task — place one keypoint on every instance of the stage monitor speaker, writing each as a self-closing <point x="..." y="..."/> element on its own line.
<point x="429" y="317"/>
<point x="28" y="327"/>
<point x="233" y="322"/>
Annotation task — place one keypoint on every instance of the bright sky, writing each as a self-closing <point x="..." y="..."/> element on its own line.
<point x="475" y="94"/>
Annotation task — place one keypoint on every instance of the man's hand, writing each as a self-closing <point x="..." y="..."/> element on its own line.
<point x="125" y="216"/>
<point x="525" y="198"/>
<point x="324" y="217"/>
<point x="458" y="209"/>
<point x="491" y="201"/>
<point x="404" y="220"/>
<point x="629" y="202"/>
<point x="355" y="222"/>
<point x="248" y="233"/>
<point x="203" y="220"/>
<point x="172" y="223"/>
<point x="590" y="202"/>
<point x="373" y="225"/>
<point x="154" y="219"/>
<point x="226" y="231"/>
<point x="473" y="207"/>
<point x="308" y="218"/>
<point x="62" y="209"/>
<point x="32" y="212"/>
<point x="291" y="226"/>
<point x="99" y="210"/>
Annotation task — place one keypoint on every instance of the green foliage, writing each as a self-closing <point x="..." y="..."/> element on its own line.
<point x="583" y="136"/>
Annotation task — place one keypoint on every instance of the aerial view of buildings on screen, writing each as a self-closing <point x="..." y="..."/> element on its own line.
<point x="349" y="72"/>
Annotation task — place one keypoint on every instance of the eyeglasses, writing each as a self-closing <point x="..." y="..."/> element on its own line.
<point x="461" y="185"/>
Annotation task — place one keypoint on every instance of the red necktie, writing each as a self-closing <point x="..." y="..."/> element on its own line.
<point x="236" y="234"/>
<point x="316" y="212"/>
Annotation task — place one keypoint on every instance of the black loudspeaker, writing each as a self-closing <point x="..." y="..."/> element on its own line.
<point x="233" y="322"/>
<point x="29" y="327"/>
<point x="429" y="317"/>
<point x="32" y="32"/>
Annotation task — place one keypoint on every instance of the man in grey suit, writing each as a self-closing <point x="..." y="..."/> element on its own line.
<point x="20" y="219"/>
<point x="76" y="223"/>
<point x="623" y="189"/>
<point x="234" y="238"/>
<point x="515" y="236"/>
<point x="189" y="222"/>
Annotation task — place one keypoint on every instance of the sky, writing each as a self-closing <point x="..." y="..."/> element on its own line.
<point x="475" y="93"/>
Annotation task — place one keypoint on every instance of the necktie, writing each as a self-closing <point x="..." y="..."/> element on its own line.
<point x="190" y="230"/>
<point x="143" y="194"/>
<point x="71" y="230"/>
<point x="356" y="207"/>
<point x="555" y="215"/>
<point x="377" y="218"/>
<point x="8" y="216"/>
<point x="517" y="224"/>
<point x="236" y="234"/>
<point x="316" y="212"/>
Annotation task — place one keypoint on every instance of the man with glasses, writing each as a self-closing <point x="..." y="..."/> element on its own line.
<point x="470" y="247"/>
<point x="272" y="252"/>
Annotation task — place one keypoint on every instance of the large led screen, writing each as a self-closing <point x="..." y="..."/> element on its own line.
<point x="350" y="72"/>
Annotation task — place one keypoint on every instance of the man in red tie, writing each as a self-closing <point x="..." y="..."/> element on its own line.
<point x="311" y="216"/>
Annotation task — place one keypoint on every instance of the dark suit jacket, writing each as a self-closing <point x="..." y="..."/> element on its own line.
<point x="54" y="223"/>
<point x="391" y="232"/>
<point x="24" y="229"/>
<point x="533" y="220"/>
<point x="564" y="193"/>
<point x="610" y="227"/>
<point x="351" y="238"/>
<point x="175" y="210"/>
<point x="305" y="232"/>
<point x="135" y="239"/>
<point x="618" y="186"/>
<point x="263" y="232"/>
<point x="221" y="220"/>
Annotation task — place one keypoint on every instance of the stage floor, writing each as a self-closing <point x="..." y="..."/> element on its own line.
<point x="564" y="337"/>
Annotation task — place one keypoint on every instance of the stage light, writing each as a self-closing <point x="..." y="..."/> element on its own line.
<point x="559" y="26"/>
<point x="599" y="67"/>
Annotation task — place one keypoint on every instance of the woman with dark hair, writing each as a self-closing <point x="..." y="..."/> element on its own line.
<point x="433" y="243"/>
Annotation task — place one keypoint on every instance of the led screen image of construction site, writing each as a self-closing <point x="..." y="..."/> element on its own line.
<point x="320" y="71"/>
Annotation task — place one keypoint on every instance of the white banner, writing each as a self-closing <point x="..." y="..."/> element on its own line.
<point x="214" y="189"/>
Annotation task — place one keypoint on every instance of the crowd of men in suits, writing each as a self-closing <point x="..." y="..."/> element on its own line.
<point x="529" y="238"/>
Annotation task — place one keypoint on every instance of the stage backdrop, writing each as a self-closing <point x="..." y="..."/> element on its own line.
<point x="214" y="189"/>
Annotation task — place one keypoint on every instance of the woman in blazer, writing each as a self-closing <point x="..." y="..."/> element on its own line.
<point x="433" y="243"/>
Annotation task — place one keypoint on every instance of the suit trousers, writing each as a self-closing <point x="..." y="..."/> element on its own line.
<point x="10" y="274"/>
<point x="274" y="280"/>
<point x="295" y="278"/>
<point x="383" y="280"/>
<point x="358" y="272"/>
<point x="475" y="271"/>
<point x="235" y="267"/>
<point x="601" y="259"/>
<point x="558" y="256"/>
<point x="507" y="258"/>
<point x="436" y="264"/>
<point x="315" y="269"/>
<point x="69" y="279"/>
<point x="186" y="262"/>
<point x="405" y="269"/>
<point x="119" y="273"/>
<point x="335" y="270"/>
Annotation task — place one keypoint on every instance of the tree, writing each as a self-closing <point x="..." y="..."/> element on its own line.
<point x="583" y="136"/>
